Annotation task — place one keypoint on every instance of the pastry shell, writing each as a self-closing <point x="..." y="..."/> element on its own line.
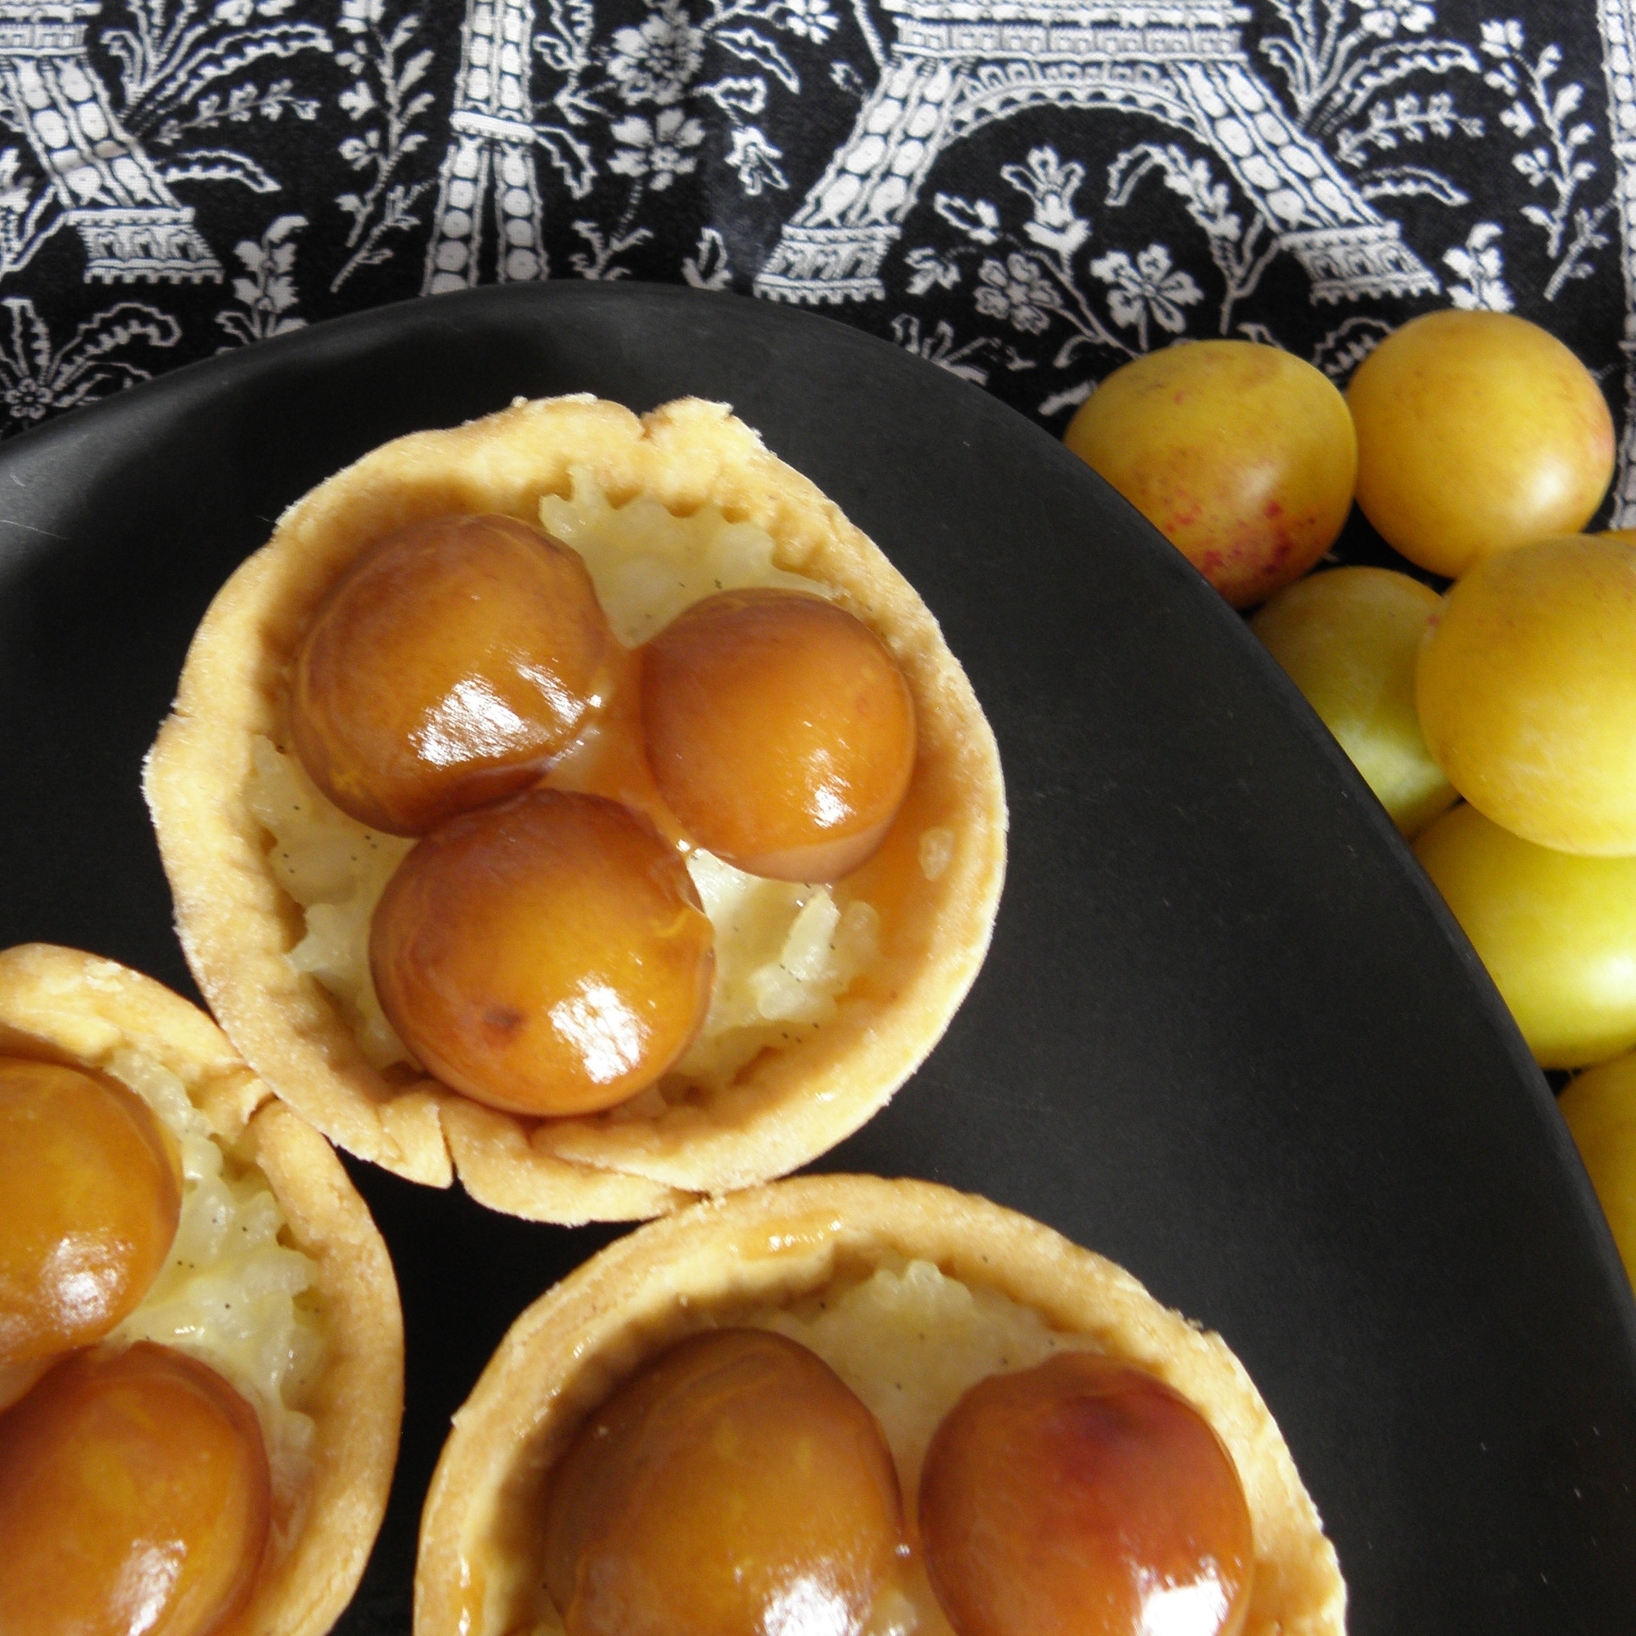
<point x="480" y="1536"/>
<point x="65" y="1006"/>
<point x="236" y="923"/>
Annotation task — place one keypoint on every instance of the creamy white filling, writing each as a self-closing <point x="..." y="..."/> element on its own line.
<point x="649" y="565"/>
<point x="230" y="1292"/>
<point x="911" y="1342"/>
<point x="336" y="869"/>
<point x="785" y="952"/>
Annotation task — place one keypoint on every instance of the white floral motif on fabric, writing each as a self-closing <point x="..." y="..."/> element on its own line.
<point x="1024" y="193"/>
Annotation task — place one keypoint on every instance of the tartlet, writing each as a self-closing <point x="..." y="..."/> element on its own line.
<point x="773" y="1257"/>
<point x="64" y="1006"/>
<point x="935" y="881"/>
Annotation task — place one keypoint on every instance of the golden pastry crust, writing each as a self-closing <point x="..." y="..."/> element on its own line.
<point x="237" y="924"/>
<point x="71" y="1007"/>
<point x="480" y="1531"/>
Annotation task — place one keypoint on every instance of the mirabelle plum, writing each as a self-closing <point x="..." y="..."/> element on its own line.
<point x="779" y="730"/>
<point x="1556" y="930"/>
<point x="734" y="1486"/>
<point x="133" y="1497"/>
<point x="1084" y="1497"/>
<point x="1600" y="1107"/>
<point x="1526" y="688"/>
<point x="90" y="1194"/>
<point x="1241" y="455"/>
<point x="1348" y="639"/>
<point x="1477" y="431"/>
<point x="446" y="668"/>
<point x="548" y="955"/>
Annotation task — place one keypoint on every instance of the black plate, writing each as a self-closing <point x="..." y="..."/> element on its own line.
<point x="1227" y="1035"/>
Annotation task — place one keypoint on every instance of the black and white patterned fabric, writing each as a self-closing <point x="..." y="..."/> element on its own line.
<point x="1026" y="192"/>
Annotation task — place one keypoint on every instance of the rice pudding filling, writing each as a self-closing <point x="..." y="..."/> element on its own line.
<point x="232" y="1292"/>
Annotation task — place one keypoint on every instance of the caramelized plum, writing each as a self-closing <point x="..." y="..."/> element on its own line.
<point x="546" y="956"/>
<point x="133" y="1497"/>
<point x="779" y="730"/>
<point x="18" y="1378"/>
<point x="90" y="1194"/>
<point x="735" y="1486"/>
<point x="1084" y="1497"/>
<point x="445" y="669"/>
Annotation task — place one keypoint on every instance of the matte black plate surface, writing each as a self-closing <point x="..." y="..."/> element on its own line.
<point x="1226" y="1034"/>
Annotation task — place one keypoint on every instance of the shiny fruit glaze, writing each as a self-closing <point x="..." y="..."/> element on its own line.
<point x="779" y="730"/>
<point x="446" y="668"/>
<point x="1240" y="454"/>
<point x="133" y="1497"/>
<point x="545" y="956"/>
<point x="90" y="1194"/>
<point x="735" y="1486"/>
<point x="1477" y="431"/>
<point x="1084" y="1497"/>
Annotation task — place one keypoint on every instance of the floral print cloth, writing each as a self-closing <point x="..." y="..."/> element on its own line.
<point x="1025" y="192"/>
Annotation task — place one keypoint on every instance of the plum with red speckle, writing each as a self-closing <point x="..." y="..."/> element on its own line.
<point x="1241" y="455"/>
